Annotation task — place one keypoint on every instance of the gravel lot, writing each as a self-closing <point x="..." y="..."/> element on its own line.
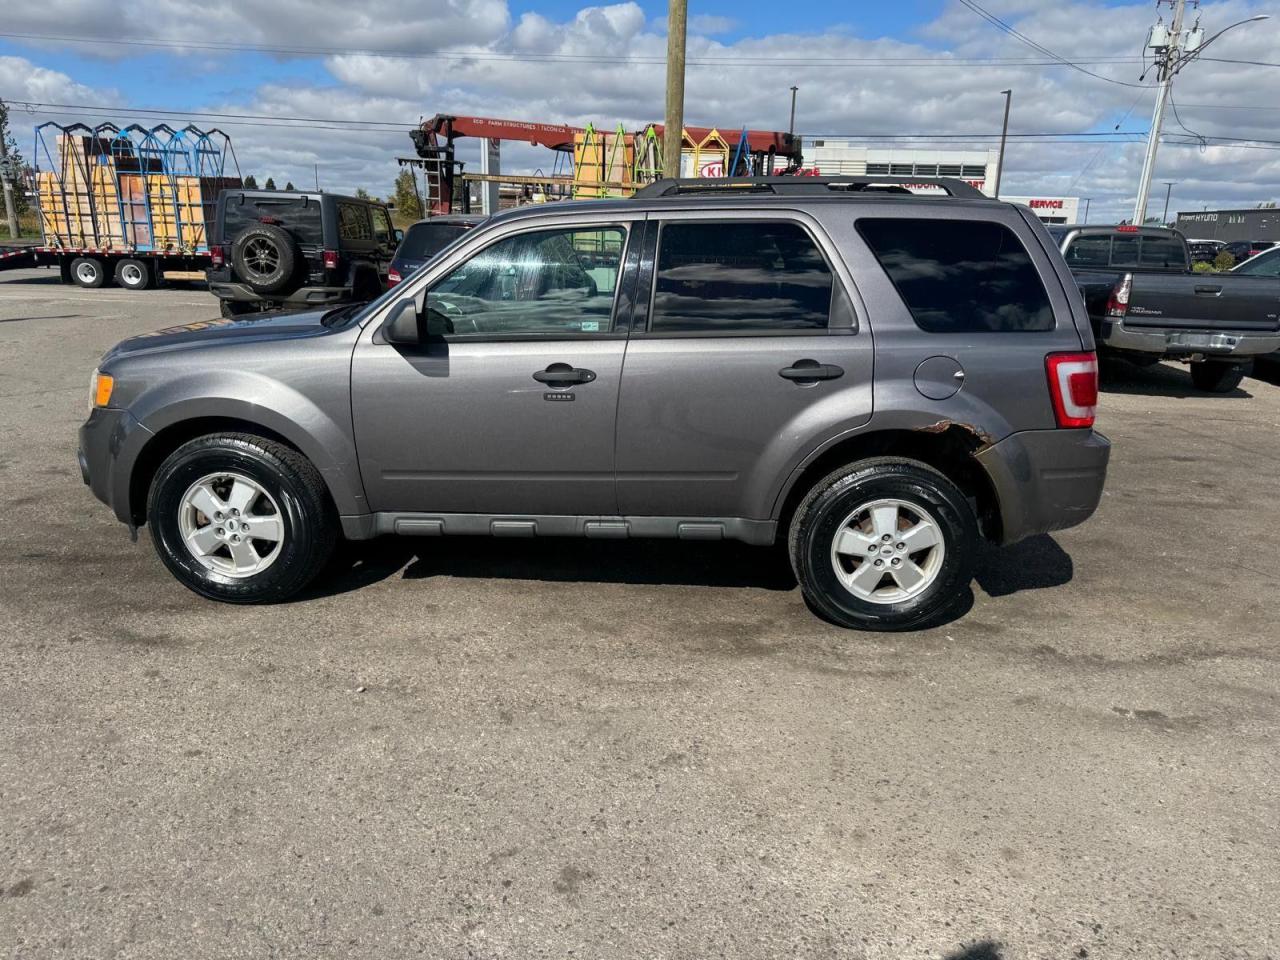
<point x="514" y="749"/>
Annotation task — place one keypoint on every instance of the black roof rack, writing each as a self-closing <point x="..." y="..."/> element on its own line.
<point x="810" y="186"/>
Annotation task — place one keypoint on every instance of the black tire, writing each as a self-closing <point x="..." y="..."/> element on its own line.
<point x="266" y="257"/>
<point x="135" y="274"/>
<point x="822" y="514"/>
<point x="307" y="517"/>
<point x="1216" y="377"/>
<point x="88" y="272"/>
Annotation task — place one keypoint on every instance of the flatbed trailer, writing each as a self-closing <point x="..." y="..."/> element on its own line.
<point x="126" y="205"/>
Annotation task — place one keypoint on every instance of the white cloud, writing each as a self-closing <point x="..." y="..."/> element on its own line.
<point x="618" y="77"/>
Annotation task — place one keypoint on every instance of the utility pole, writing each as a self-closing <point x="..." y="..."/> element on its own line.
<point x="673" y="131"/>
<point x="1168" y="191"/>
<point x="1174" y="51"/>
<point x="10" y="208"/>
<point x="791" y="127"/>
<point x="1004" y="136"/>
<point x="317" y="166"/>
<point x="1086" y="209"/>
<point x="1168" y="69"/>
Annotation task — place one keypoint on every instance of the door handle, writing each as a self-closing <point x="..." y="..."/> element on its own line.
<point x="811" y="371"/>
<point x="561" y="374"/>
<point x="1207" y="289"/>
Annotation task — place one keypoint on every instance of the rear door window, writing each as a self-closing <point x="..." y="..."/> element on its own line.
<point x="960" y="276"/>
<point x="1124" y="250"/>
<point x="353" y="222"/>
<point x="740" y="276"/>
<point x="299" y="216"/>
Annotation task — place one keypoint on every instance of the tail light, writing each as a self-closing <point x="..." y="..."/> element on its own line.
<point x="218" y="255"/>
<point x="1118" y="302"/>
<point x="1073" y="385"/>
<point x="393" y="277"/>
<point x="331" y="259"/>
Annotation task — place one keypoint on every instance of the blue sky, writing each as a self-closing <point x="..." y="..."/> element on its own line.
<point x="927" y="94"/>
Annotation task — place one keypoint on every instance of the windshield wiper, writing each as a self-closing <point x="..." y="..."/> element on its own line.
<point x="338" y="314"/>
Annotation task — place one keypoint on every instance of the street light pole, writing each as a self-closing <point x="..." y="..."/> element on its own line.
<point x="791" y="127"/>
<point x="673" y="132"/>
<point x="1168" y="190"/>
<point x="1086" y="209"/>
<point x="1004" y="136"/>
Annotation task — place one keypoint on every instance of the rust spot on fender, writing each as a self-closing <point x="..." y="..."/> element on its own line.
<point x="983" y="438"/>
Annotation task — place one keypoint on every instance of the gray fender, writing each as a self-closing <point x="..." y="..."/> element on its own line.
<point x="324" y="438"/>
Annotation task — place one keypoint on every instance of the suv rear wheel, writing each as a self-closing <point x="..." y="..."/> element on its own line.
<point x="266" y="257"/>
<point x="240" y="518"/>
<point x="884" y="544"/>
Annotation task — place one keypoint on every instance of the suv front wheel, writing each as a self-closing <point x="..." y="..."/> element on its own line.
<point x="884" y="544"/>
<point x="240" y="518"/>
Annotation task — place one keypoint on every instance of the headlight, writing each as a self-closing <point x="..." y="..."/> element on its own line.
<point x="100" y="387"/>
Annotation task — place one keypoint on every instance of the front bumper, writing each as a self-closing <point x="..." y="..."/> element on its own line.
<point x="1046" y="479"/>
<point x="305" y="296"/>
<point x="110" y="441"/>
<point x="1167" y="342"/>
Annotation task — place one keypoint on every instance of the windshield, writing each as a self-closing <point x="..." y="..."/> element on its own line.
<point x="424" y="240"/>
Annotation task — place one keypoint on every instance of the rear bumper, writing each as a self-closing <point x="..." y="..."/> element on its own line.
<point x="110" y="441"/>
<point x="1046" y="479"/>
<point x="305" y="296"/>
<point x="1185" y="343"/>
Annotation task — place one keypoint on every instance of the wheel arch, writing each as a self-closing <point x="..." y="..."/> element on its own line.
<point x="948" y="448"/>
<point x="334" y="460"/>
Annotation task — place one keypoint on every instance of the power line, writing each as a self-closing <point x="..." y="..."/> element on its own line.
<point x="1040" y="48"/>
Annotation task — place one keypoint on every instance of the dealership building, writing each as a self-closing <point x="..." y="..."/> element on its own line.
<point x="1258" y="223"/>
<point x="832" y="158"/>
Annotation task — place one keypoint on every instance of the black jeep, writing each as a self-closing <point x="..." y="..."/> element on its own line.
<point x="297" y="250"/>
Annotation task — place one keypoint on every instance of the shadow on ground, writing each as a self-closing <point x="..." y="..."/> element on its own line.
<point x="1034" y="564"/>
<point x="1158" y="380"/>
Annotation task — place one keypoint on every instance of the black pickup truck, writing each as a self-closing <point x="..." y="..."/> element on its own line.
<point x="1146" y="304"/>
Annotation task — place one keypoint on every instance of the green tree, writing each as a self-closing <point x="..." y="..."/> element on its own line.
<point x="270" y="184"/>
<point x="408" y="203"/>
<point x="15" y="155"/>
<point x="251" y="182"/>
<point x="1224" y="261"/>
<point x="290" y="186"/>
<point x="362" y="193"/>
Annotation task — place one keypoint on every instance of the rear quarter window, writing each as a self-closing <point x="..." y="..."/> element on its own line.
<point x="960" y="276"/>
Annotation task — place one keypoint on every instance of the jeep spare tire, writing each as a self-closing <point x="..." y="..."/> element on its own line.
<point x="265" y="257"/>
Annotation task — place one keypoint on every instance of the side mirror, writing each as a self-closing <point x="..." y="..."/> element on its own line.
<point x="399" y="236"/>
<point x="402" y="325"/>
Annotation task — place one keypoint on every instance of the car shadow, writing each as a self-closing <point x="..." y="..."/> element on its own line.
<point x="1034" y="564"/>
<point x="1158" y="380"/>
<point x="54" y="279"/>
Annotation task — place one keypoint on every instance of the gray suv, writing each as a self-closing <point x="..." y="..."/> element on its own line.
<point x="876" y="379"/>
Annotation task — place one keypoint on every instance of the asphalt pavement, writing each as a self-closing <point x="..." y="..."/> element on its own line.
<point x="520" y="749"/>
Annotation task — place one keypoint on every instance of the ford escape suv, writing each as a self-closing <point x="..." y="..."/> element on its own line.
<point x="874" y="378"/>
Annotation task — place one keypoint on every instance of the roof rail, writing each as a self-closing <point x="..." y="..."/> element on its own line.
<point x="811" y="186"/>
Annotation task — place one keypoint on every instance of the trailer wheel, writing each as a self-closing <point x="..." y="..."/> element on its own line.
<point x="134" y="274"/>
<point x="88" y="272"/>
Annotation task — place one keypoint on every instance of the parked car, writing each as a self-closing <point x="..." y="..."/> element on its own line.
<point x="1146" y="305"/>
<point x="1242" y="250"/>
<point x="424" y="239"/>
<point x="275" y="249"/>
<point x="1204" y="251"/>
<point x="1265" y="264"/>
<point x="696" y="363"/>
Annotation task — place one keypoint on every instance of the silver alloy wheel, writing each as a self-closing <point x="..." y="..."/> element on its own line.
<point x="231" y="525"/>
<point x="131" y="275"/>
<point x="87" y="272"/>
<point x="888" y="551"/>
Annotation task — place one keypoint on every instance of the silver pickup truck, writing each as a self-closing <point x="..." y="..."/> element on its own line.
<point x="1145" y="303"/>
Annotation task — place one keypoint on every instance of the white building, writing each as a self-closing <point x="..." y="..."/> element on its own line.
<point x="833" y="158"/>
